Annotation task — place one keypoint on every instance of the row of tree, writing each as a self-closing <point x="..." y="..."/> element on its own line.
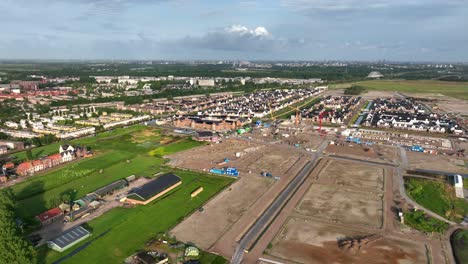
<point x="13" y="247"/>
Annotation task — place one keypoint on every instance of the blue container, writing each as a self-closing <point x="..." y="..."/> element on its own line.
<point x="232" y="171"/>
<point x="217" y="171"/>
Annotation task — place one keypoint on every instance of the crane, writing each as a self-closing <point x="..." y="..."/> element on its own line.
<point x="271" y="112"/>
<point x="321" y="117"/>
<point x="298" y="116"/>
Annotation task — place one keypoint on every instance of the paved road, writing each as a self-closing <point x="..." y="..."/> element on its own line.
<point x="400" y="172"/>
<point x="274" y="208"/>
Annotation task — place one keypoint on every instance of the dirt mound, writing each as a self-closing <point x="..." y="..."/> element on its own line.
<point x="354" y="244"/>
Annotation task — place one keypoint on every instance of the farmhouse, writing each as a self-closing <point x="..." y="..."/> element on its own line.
<point x="68" y="239"/>
<point x="154" y="189"/>
<point x="49" y="216"/>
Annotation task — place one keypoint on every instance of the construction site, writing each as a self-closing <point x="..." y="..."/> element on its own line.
<point x="311" y="191"/>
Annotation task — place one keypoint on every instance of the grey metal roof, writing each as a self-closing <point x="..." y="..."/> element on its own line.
<point x="70" y="236"/>
<point x="110" y="187"/>
<point x="155" y="186"/>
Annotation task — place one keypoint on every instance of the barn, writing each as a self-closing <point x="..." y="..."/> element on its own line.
<point x="153" y="189"/>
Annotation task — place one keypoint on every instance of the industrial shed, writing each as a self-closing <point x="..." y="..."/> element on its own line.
<point x="110" y="188"/>
<point x="68" y="239"/>
<point x="154" y="189"/>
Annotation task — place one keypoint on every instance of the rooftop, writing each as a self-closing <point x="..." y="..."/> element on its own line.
<point x="154" y="187"/>
<point x="70" y="236"/>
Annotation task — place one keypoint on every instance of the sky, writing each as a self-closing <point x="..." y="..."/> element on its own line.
<point x="365" y="30"/>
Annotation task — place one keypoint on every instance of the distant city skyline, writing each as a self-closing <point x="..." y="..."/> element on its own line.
<point x="360" y="30"/>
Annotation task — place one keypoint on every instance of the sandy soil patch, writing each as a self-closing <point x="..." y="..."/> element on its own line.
<point x="354" y="175"/>
<point x="436" y="162"/>
<point x="342" y="205"/>
<point x="204" y="228"/>
<point x="377" y="153"/>
<point x="306" y="241"/>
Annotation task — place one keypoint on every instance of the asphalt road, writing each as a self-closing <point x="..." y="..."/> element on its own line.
<point x="400" y="172"/>
<point x="274" y="208"/>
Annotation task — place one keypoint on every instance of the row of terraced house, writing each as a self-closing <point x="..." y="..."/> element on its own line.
<point x="66" y="154"/>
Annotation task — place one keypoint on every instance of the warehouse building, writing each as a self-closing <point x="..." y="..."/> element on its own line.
<point x="153" y="189"/>
<point x="68" y="239"/>
<point x="110" y="188"/>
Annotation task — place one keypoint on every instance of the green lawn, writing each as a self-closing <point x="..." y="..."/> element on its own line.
<point x="119" y="153"/>
<point x="53" y="148"/>
<point x="453" y="89"/>
<point x="460" y="246"/>
<point x="418" y="220"/>
<point x="286" y="112"/>
<point x="437" y="196"/>
<point x="131" y="228"/>
<point x="176" y="146"/>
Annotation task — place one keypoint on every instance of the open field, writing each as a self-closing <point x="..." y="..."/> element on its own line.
<point x="286" y="112"/>
<point x="307" y="241"/>
<point x="436" y="162"/>
<point x="343" y="205"/>
<point x="437" y="196"/>
<point x="130" y="228"/>
<point x="254" y="157"/>
<point x="226" y="208"/>
<point x="453" y="89"/>
<point x="349" y="174"/>
<point x="119" y="153"/>
<point x="378" y="153"/>
<point x="53" y="148"/>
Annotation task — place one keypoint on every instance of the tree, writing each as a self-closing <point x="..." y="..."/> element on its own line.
<point x="13" y="247"/>
<point x="29" y="154"/>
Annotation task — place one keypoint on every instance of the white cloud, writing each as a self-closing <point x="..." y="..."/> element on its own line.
<point x="245" y="31"/>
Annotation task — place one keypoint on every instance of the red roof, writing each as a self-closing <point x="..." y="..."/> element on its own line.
<point x="25" y="166"/>
<point x="37" y="162"/>
<point x="49" y="214"/>
<point x="55" y="156"/>
<point x="9" y="165"/>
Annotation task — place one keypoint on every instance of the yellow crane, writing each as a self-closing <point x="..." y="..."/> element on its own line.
<point x="271" y="112"/>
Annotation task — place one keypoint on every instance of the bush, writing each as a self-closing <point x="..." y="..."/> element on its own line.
<point x="420" y="221"/>
<point x="355" y="90"/>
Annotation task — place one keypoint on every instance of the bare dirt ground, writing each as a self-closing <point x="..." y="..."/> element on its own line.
<point x="254" y="157"/>
<point x="227" y="216"/>
<point x="315" y="239"/>
<point x="205" y="228"/>
<point x="306" y="241"/>
<point x="378" y="153"/>
<point x="444" y="103"/>
<point x="436" y="162"/>
<point x="342" y="205"/>
<point x="349" y="174"/>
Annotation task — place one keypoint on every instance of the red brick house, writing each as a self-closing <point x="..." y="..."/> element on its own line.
<point x="38" y="165"/>
<point x="47" y="162"/>
<point x="56" y="159"/>
<point x="49" y="216"/>
<point x="25" y="168"/>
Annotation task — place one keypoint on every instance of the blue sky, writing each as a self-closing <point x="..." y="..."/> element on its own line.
<point x="409" y="30"/>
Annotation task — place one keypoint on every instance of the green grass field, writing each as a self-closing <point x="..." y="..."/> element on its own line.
<point x="419" y="221"/>
<point x="131" y="228"/>
<point x="453" y="89"/>
<point x="119" y="153"/>
<point x="286" y="112"/>
<point x="460" y="246"/>
<point x="437" y="196"/>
